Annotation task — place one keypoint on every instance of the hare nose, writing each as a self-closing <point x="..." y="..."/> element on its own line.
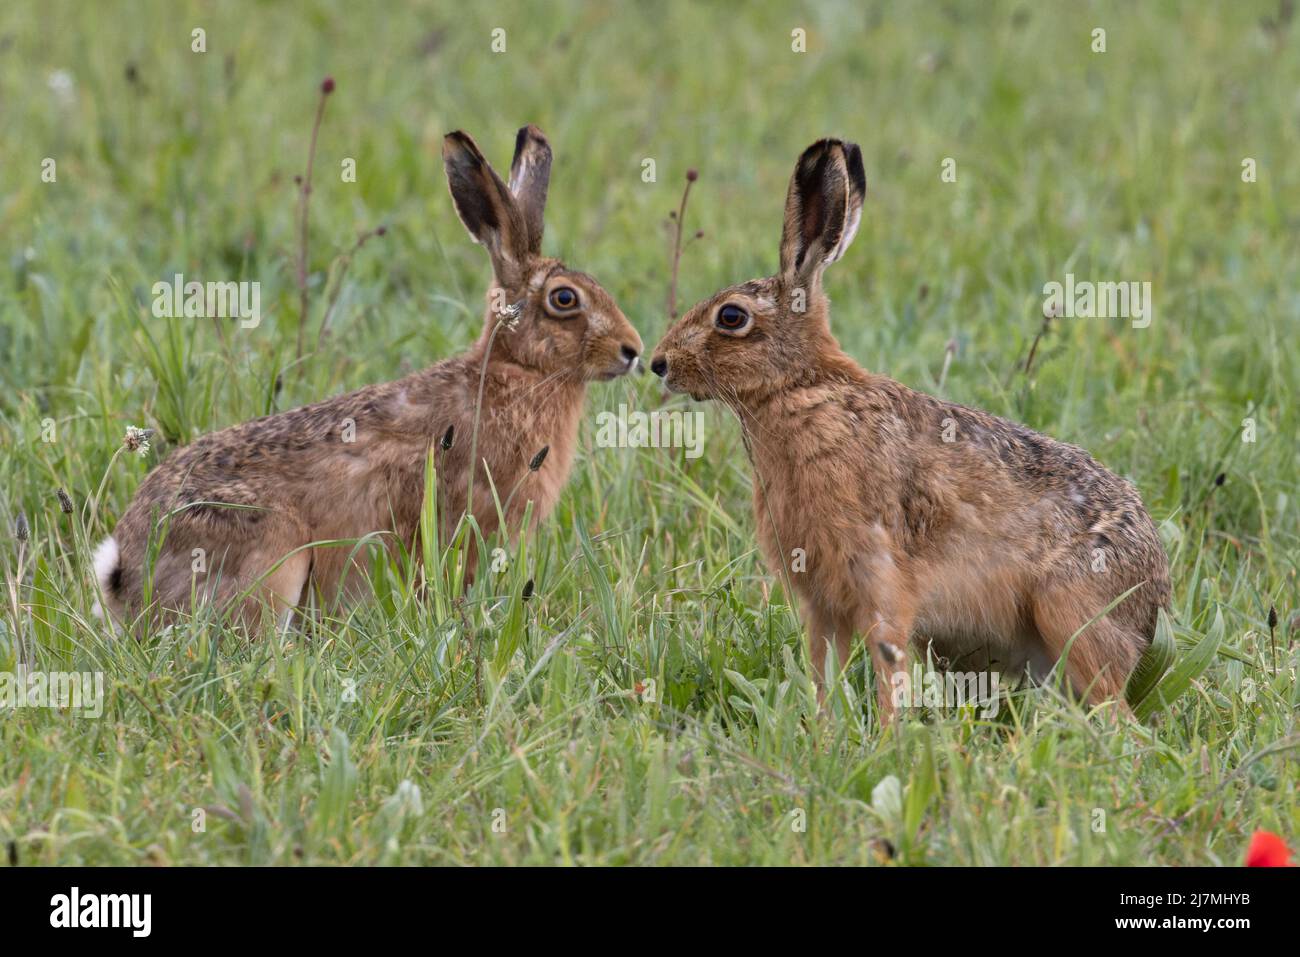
<point x="629" y="353"/>
<point x="659" y="366"/>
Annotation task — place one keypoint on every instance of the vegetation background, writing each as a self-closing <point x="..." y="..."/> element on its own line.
<point x="503" y="731"/>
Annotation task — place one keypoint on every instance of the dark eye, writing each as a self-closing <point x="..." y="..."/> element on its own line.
<point x="563" y="299"/>
<point x="732" y="318"/>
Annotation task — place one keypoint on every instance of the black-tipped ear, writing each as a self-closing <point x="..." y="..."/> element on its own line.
<point x="823" y="209"/>
<point x="530" y="174"/>
<point x="484" y="204"/>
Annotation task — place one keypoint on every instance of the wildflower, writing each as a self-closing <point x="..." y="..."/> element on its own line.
<point x="137" y="440"/>
<point x="1267" y="850"/>
<point x="510" y="314"/>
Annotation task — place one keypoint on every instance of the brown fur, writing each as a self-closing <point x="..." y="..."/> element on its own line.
<point x="301" y="483"/>
<point x="982" y="548"/>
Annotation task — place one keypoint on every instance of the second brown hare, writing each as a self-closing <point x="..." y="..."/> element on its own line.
<point x="916" y="524"/>
<point x="252" y="499"/>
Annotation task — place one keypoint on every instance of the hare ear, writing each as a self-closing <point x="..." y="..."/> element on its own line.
<point x="530" y="173"/>
<point x="485" y="205"/>
<point x="823" y="208"/>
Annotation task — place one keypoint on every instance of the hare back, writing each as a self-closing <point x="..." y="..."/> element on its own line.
<point x="234" y="503"/>
<point x="971" y="514"/>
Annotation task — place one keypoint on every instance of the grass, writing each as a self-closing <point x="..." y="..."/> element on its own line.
<point x="503" y="731"/>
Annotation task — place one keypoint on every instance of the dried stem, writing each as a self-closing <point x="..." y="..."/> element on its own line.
<point x="338" y="282"/>
<point x="948" y="352"/>
<point x="304" y="209"/>
<point x="1033" y="349"/>
<point x="478" y="407"/>
<point x="679" y="227"/>
<point x="14" y="586"/>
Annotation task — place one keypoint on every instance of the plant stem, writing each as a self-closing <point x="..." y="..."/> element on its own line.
<point x="677" y="252"/>
<point x="304" y="207"/>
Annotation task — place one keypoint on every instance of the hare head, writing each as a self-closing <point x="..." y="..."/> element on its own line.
<point x="556" y="320"/>
<point x="767" y="334"/>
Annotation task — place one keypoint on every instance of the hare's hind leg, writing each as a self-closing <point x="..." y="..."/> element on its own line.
<point x="1099" y="652"/>
<point x="282" y="589"/>
<point x="271" y="574"/>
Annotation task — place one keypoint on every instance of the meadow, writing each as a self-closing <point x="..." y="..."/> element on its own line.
<point x="649" y="700"/>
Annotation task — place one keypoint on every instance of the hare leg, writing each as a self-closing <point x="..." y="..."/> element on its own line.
<point x="887" y="635"/>
<point x="1100" y="657"/>
<point x="825" y="629"/>
<point x="272" y="574"/>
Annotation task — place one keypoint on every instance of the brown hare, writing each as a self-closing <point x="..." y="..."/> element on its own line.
<point x="897" y="516"/>
<point x="254" y="496"/>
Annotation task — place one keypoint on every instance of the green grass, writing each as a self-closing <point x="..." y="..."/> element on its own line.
<point x="519" y="722"/>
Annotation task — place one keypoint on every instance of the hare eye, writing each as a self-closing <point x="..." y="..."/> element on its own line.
<point x="563" y="299"/>
<point x="732" y="318"/>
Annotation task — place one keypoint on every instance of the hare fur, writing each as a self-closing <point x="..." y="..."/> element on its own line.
<point x="256" y="497"/>
<point x="923" y="525"/>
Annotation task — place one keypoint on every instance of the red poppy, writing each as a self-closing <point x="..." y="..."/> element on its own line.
<point x="1267" y="850"/>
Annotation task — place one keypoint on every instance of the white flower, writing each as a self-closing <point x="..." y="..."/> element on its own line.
<point x="137" y="440"/>
<point x="510" y="315"/>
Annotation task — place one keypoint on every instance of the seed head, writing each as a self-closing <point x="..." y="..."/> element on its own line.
<point x="327" y="85"/>
<point x="528" y="590"/>
<point x="447" y="437"/>
<point x="22" y="531"/>
<point x="1272" y="617"/>
<point x="692" y="175"/>
<point x="137" y="440"/>
<point x="539" y="458"/>
<point x="65" y="502"/>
